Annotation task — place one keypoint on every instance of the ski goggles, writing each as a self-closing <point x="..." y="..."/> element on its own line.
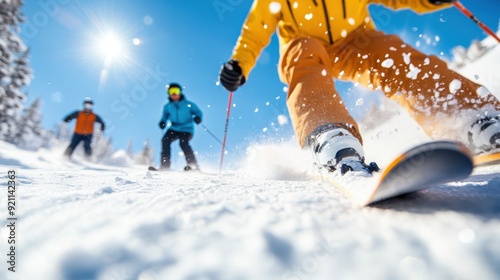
<point x="174" y="91"/>
<point x="88" y="106"/>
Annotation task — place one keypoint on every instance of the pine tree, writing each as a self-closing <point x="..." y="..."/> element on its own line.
<point x="29" y="128"/>
<point x="15" y="72"/>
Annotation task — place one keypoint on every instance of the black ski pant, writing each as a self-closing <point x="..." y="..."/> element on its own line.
<point x="75" y="140"/>
<point x="184" y="138"/>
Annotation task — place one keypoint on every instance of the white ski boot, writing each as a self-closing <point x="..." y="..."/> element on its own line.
<point x="338" y="149"/>
<point x="484" y="134"/>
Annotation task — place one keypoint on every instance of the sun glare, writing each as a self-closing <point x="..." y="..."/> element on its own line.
<point x="110" y="47"/>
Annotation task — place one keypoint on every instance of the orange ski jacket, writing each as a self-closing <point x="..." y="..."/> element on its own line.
<point x="84" y="122"/>
<point x="328" y="21"/>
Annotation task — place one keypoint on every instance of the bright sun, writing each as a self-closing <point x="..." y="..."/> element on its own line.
<point x="110" y="47"/>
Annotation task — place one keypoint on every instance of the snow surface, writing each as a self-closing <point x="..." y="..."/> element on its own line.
<point x="266" y="220"/>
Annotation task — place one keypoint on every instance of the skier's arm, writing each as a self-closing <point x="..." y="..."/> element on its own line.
<point x="99" y="120"/>
<point x="71" y="116"/>
<point x="197" y="113"/>
<point x="419" y="6"/>
<point x="255" y="35"/>
<point x="164" y="118"/>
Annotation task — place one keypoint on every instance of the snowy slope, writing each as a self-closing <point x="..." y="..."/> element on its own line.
<point x="86" y="221"/>
<point x="267" y="220"/>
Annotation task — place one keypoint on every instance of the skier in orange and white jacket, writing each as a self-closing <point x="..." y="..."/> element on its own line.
<point x="84" y="128"/>
<point x="325" y="40"/>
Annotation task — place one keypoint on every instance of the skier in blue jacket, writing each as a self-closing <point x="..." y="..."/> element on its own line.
<point x="181" y="113"/>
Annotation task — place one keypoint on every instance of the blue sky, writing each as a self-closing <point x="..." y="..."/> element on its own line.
<point x="186" y="42"/>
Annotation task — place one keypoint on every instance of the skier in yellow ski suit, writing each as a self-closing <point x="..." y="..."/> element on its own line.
<point x="321" y="40"/>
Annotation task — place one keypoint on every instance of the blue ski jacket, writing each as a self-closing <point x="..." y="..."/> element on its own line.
<point x="181" y="114"/>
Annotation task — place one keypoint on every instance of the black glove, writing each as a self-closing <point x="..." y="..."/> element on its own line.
<point x="197" y="120"/>
<point x="102" y="127"/>
<point x="162" y="124"/>
<point x="439" y="2"/>
<point x="231" y="76"/>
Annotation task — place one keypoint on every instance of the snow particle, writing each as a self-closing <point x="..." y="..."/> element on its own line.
<point x="388" y="63"/>
<point x="343" y="33"/>
<point x="351" y="21"/>
<point x="413" y="73"/>
<point x="308" y="16"/>
<point x="360" y="102"/>
<point x="323" y="73"/>
<point x="406" y="58"/>
<point x="282" y="120"/>
<point x="274" y="7"/>
<point x="57" y="97"/>
<point x="455" y="85"/>
<point x="466" y="235"/>
<point x="482" y="91"/>
<point x="148" y="20"/>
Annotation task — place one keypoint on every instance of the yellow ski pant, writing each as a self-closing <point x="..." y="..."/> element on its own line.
<point x="422" y="84"/>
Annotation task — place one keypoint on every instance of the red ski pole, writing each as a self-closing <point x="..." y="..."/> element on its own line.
<point x="466" y="12"/>
<point x="225" y="130"/>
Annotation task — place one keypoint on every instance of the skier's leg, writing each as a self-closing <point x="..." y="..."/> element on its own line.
<point x="169" y="137"/>
<point x="186" y="148"/>
<point x="312" y="99"/>
<point x="87" y="140"/>
<point x="439" y="99"/>
<point x="75" y="140"/>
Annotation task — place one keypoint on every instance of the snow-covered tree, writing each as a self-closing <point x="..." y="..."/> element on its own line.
<point x="101" y="146"/>
<point x="29" y="128"/>
<point x="459" y="55"/>
<point x="63" y="132"/>
<point x="475" y="50"/>
<point x="145" y="157"/>
<point x="130" y="152"/>
<point x="15" y="72"/>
